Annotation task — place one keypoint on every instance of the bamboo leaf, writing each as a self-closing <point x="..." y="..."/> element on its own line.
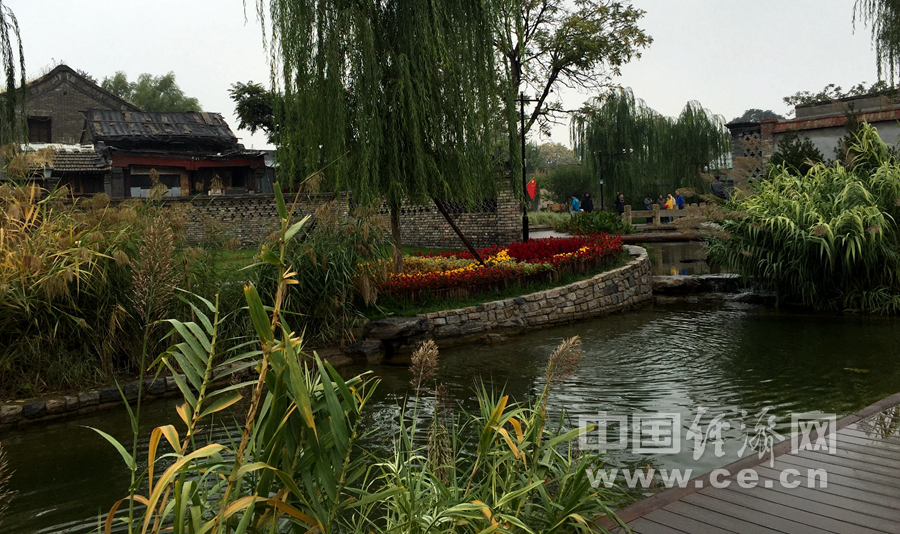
<point x="258" y="315"/>
<point x="220" y="403"/>
<point x="129" y="461"/>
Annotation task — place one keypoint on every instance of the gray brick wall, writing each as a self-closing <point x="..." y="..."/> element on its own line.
<point x="64" y="96"/>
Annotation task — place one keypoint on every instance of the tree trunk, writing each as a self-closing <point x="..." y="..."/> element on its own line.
<point x="396" y="238"/>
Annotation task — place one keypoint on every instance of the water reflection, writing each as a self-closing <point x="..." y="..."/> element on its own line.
<point x="682" y="258"/>
<point x="734" y="359"/>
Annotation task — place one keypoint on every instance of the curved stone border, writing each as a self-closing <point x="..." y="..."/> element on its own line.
<point x="612" y="291"/>
<point x="25" y="412"/>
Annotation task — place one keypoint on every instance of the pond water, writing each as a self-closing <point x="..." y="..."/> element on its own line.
<point x="726" y="356"/>
<point x="678" y="258"/>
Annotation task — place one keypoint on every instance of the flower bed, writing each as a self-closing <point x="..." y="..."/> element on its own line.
<point x="458" y="275"/>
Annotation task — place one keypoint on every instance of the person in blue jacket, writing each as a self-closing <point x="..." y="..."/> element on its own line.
<point x="679" y="201"/>
<point x="576" y="205"/>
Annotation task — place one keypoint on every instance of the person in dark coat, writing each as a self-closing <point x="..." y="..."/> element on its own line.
<point x="620" y="204"/>
<point x="588" y="203"/>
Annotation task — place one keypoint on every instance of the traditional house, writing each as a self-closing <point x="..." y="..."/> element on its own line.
<point x="55" y="105"/>
<point x="191" y="153"/>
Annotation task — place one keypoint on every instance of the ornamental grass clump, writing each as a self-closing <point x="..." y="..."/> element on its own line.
<point x="829" y="239"/>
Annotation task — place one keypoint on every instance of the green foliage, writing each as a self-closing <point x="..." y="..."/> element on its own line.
<point x="835" y="92"/>
<point x="883" y="16"/>
<point x="640" y="151"/>
<point x="335" y="261"/>
<point x="552" y="156"/>
<point x="298" y="465"/>
<point x="82" y="286"/>
<point x="12" y="103"/>
<point x="596" y="222"/>
<point x="570" y="180"/>
<point x="829" y="240"/>
<point x="254" y="106"/>
<point x="546" y="43"/>
<point x="151" y="93"/>
<point x="756" y="115"/>
<point x="798" y="156"/>
<point x="546" y="218"/>
<point x="402" y="110"/>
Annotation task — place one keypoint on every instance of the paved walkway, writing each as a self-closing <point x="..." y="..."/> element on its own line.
<point x="862" y="493"/>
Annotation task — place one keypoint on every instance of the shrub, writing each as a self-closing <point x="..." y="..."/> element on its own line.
<point x="596" y="222"/>
<point x="336" y="261"/>
<point x="828" y="240"/>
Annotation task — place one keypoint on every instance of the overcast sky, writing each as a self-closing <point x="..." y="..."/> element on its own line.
<point x="729" y="55"/>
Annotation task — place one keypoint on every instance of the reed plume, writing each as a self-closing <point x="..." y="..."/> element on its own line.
<point x="424" y="365"/>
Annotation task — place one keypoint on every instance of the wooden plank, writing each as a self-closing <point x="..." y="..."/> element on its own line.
<point x="851" y="463"/>
<point x="879" y="505"/>
<point x="880" y="447"/>
<point x="778" y="510"/>
<point x="869" y="431"/>
<point x="717" y="518"/>
<point x="820" y="508"/>
<point x="685" y="524"/>
<point x="890" y="440"/>
<point x="844" y="471"/>
<point x="643" y="526"/>
<point x="751" y="515"/>
<point x="845" y="442"/>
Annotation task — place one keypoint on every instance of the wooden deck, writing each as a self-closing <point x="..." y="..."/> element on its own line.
<point x="862" y="492"/>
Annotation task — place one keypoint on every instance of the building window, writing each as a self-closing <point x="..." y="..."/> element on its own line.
<point x="38" y="129"/>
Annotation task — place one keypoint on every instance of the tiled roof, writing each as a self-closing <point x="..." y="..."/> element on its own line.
<point x="133" y="127"/>
<point x="835" y="121"/>
<point x="77" y="160"/>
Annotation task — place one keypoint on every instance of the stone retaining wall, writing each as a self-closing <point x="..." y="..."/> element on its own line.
<point x="612" y="291"/>
<point x="22" y="413"/>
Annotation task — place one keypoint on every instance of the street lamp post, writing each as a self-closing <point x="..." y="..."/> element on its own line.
<point x="522" y="101"/>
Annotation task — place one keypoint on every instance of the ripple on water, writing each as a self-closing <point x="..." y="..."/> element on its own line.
<point x="727" y="357"/>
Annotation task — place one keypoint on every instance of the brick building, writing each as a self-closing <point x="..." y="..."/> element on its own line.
<point x="56" y="103"/>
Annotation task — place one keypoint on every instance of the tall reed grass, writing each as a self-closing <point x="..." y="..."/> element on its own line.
<point x="829" y="239"/>
<point x="295" y="462"/>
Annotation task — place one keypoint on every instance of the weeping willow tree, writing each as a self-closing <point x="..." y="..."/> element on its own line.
<point x="883" y="17"/>
<point x="12" y="101"/>
<point x="637" y="151"/>
<point x="392" y="100"/>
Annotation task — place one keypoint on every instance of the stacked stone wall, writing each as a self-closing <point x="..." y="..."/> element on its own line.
<point x="613" y="291"/>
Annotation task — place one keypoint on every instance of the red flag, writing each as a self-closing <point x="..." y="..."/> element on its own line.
<point x="531" y="188"/>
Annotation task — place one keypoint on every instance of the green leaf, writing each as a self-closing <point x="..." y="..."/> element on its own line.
<point x="129" y="461"/>
<point x="221" y="402"/>
<point x="295" y="228"/>
<point x="279" y="201"/>
<point x="258" y="315"/>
